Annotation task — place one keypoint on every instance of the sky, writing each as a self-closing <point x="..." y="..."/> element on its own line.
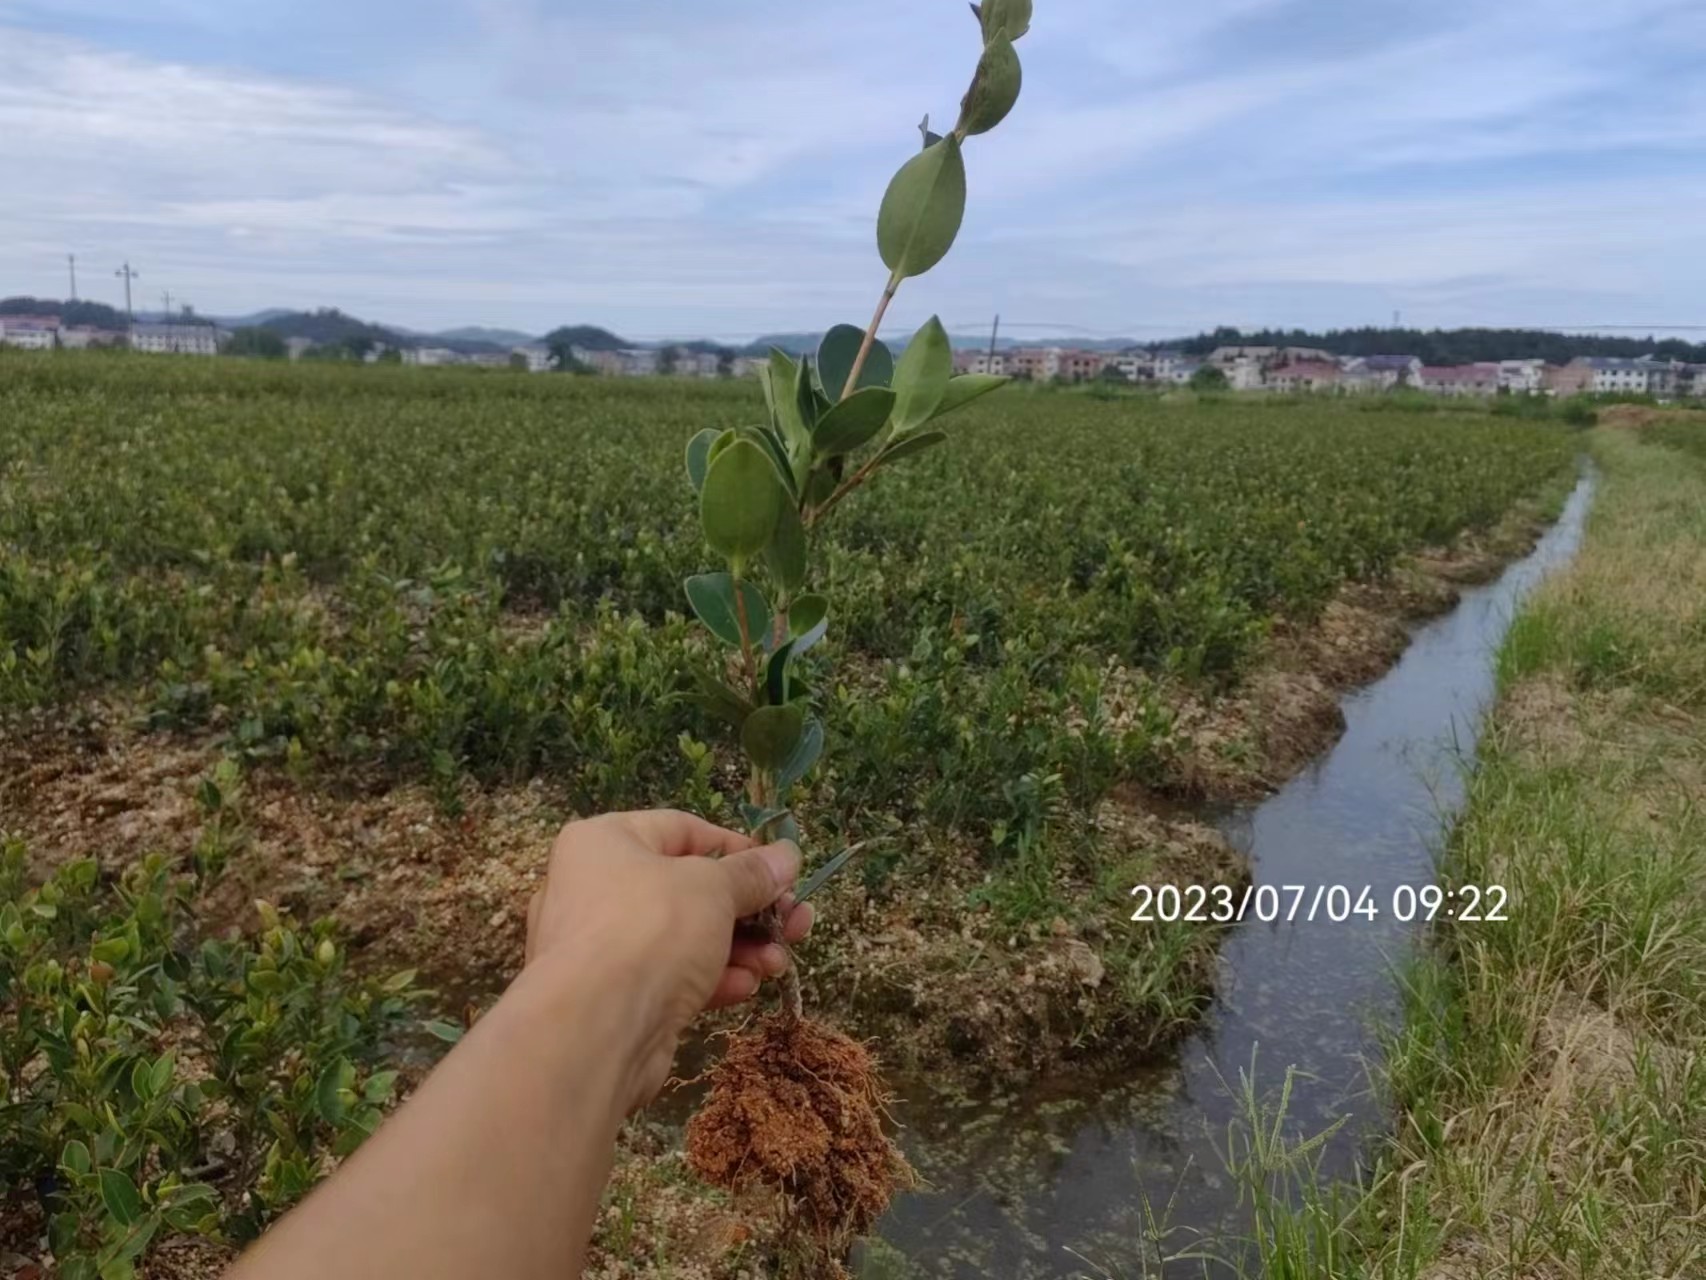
<point x="677" y="168"/>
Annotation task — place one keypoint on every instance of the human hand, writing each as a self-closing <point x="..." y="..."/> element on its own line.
<point x="638" y="904"/>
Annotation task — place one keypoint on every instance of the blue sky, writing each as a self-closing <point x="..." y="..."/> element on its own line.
<point x="673" y="168"/>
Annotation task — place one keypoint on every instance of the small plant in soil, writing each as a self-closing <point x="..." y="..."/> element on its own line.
<point x="794" y="1105"/>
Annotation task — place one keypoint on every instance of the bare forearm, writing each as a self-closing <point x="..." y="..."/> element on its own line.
<point x="497" y="1164"/>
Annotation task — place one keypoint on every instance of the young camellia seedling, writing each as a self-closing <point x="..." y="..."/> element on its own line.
<point x="793" y="1104"/>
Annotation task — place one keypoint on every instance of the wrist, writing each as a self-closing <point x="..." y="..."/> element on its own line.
<point x="583" y="1024"/>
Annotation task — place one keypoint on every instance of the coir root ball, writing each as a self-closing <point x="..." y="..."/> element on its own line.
<point x="798" y="1107"/>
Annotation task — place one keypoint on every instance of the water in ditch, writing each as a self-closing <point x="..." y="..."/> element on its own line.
<point x="1074" y="1181"/>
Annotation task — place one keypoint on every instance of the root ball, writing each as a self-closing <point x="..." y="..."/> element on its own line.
<point x="797" y="1107"/>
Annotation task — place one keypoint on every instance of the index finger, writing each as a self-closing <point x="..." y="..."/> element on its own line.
<point x="681" y="835"/>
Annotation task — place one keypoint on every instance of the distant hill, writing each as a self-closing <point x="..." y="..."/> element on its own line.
<point x="330" y="327"/>
<point x="505" y="338"/>
<point x="254" y="321"/>
<point x="589" y="336"/>
<point x="97" y="314"/>
<point x="1448" y="346"/>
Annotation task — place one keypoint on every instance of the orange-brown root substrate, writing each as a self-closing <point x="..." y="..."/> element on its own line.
<point x="798" y="1107"/>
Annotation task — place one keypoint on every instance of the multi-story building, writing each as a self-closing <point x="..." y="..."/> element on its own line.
<point x="176" y="339"/>
<point x="1459" y="379"/>
<point x="1079" y="366"/>
<point x="83" y="336"/>
<point x="1305" y="375"/>
<point x="1381" y="372"/>
<point x="1662" y="376"/>
<point x="980" y="362"/>
<point x="1245" y="374"/>
<point x="431" y="357"/>
<point x="1571" y="379"/>
<point x="1033" y="364"/>
<point x="1522" y="377"/>
<point x="33" y="333"/>
<point x="1612" y="376"/>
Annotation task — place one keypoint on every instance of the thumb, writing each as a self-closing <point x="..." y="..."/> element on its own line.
<point x="757" y="877"/>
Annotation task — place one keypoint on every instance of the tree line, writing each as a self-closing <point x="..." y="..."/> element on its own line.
<point x="1450" y="346"/>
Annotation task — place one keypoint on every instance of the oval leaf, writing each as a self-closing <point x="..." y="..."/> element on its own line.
<point x="712" y="596"/>
<point x="75" y="1157"/>
<point x="922" y="210"/>
<point x="770" y="735"/>
<point x="787" y="551"/>
<point x="853" y="422"/>
<point x="699" y="457"/>
<point x="921" y="379"/>
<point x="741" y="501"/>
<point x="118" y="1194"/>
<point x="803" y="758"/>
<point x="994" y="89"/>
<point x="966" y="388"/>
<point x="807" y="612"/>
<point x="835" y="357"/>
<point x="783" y="388"/>
<point x="1009" y="17"/>
<point x="911" y="445"/>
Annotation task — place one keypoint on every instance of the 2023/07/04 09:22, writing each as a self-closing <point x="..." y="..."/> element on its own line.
<point x="1337" y="903"/>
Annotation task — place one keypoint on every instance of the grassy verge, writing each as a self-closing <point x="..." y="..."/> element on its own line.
<point x="1549" y="1075"/>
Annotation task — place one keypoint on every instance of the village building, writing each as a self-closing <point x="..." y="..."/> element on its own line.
<point x="176" y="339"/>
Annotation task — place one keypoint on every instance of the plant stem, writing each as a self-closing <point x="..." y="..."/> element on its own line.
<point x="764" y="795"/>
<point x="870" y="336"/>
<point x="745" y="633"/>
<point x="847" y="486"/>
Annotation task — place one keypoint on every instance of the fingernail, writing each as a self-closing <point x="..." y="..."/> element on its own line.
<point x="783" y="858"/>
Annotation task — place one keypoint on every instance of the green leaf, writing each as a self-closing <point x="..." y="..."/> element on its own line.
<point x="379" y="1086"/>
<point x="922" y="210"/>
<point x="110" y="950"/>
<point x="140" y="1084"/>
<point x="783" y="389"/>
<point x="118" y="1194"/>
<point x="75" y="1157"/>
<point x="837" y="353"/>
<point x="741" y="502"/>
<point x="921" y="379"/>
<point x="776" y="672"/>
<point x="699" y="457"/>
<point x="911" y="445"/>
<point x="966" y="388"/>
<point x="994" y="89"/>
<point x="758" y="819"/>
<point x="719" y="699"/>
<point x="337" y="1077"/>
<point x="808" y="611"/>
<point x="1010" y="16"/>
<point x="804" y="756"/>
<point x="853" y="422"/>
<point x="824" y="874"/>
<point x="770" y="734"/>
<point x="449" y="1032"/>
<point x="160" y="1075"/>
<point x="787" y="551"/>
<point x="116" y="1261"/>
<point x="712" y="596"/>
<point x="774" y="449"/>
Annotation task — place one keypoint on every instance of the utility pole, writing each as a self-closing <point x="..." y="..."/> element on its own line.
<point x="166" y="305"/>
<point x="72" y="259"/>
<point x="129" y="275"/>
<point x="994" y="333"/>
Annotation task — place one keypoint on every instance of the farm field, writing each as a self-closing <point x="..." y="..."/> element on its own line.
<point x="354" y="642"/>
